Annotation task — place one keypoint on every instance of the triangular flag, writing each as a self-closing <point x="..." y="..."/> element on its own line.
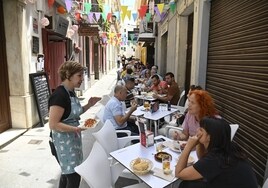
<point x="124" y="12"/>
<point x="87" y="7"/>
<point x="172" y="7"/>
<point x="123" y="17"/>
<point x="97" y="15"/>
<point x="134" y="16"/>
<point x="90" y="17"/>
<point x="109" y="16"/>
<point x="142" y="11"/>
<point x="157" y="11"/>
<point x="129" y="14"/>
<point x="68" y="4"/>
<point x="148" y="17"/>
<point x="104" y="16"/>
<point x="160" y="7"/>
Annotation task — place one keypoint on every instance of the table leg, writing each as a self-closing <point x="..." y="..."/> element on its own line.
<point x="155" y="128"/>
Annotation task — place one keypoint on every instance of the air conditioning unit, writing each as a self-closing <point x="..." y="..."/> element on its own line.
<point x="58" y="24"/>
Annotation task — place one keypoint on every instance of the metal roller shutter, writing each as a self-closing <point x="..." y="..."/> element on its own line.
<point x="237" y="72"/>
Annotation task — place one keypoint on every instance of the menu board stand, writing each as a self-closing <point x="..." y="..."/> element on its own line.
<point x="41" y="92"/>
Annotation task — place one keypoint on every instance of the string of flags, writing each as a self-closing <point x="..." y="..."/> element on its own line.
<point x="80" y="10"/>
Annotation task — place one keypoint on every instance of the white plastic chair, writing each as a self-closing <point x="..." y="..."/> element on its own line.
<point x="181" y="98"/>
<point x="105" y="99"/>
<point x="234" y="128"/>
<point x="97" y="172"/>
<point x="106" y="136"/>
<point x="100" y="114"/>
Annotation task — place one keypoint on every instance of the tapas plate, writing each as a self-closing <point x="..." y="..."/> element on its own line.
<point x="141" y="166"/>
<point x="171" y="147"/>
<point x="159" y="156"/>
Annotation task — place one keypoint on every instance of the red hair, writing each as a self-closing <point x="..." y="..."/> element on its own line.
<point x="206" y="103"/>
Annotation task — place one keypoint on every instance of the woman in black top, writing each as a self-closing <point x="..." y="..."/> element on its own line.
<point x="221" y="163"/>
<point x="64" y="114"/>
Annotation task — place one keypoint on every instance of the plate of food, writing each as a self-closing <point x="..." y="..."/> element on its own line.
<point x="89" y="123"/>
<point x="160" y="155"/>
<point x="141" y="166"/>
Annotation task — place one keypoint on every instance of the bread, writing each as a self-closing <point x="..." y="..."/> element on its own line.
<point x="140" y="165"/>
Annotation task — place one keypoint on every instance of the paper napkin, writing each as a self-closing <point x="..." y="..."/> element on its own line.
<point x="159" y="173"/>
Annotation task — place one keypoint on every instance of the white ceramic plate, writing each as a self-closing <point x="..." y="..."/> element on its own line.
<point x="82" y="123"/>
<point x="174" y="149"/>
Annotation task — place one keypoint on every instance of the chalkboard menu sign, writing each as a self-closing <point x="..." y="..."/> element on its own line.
<point x="41" y="91"/>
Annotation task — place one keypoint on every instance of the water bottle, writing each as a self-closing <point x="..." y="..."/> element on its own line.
<point x="168" y="106"/>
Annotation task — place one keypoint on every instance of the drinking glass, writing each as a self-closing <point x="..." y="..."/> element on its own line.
<point x="166" y="164"/>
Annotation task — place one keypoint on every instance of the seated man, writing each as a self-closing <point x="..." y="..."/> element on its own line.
<point x="130" y="84"/>
<point x="115" y="112"/>
<point x="158" y="86"/>
<point x="173" y="90"/>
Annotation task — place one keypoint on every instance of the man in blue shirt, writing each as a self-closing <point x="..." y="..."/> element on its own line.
<point x="115" y="111"/>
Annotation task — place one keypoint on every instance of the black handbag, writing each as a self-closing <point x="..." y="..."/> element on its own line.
<point x="52" y="146"/>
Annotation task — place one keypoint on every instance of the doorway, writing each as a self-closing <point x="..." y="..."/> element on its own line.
<point x="5" y="117"/>
<point x="189" y="53"/>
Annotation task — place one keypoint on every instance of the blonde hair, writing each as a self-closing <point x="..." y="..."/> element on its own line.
<point x="68" y="69"/>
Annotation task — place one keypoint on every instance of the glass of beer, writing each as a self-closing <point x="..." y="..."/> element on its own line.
<point x="146" y="105"/>
<point x="166" y="164"/>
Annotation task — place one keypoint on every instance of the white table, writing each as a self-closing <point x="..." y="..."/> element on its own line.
<point x="155" y="116"/>
<point x="126" y="155"/>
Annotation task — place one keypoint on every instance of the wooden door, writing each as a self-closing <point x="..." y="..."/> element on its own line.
<point x="5" y="119"/>
<point x="57" y="54"/>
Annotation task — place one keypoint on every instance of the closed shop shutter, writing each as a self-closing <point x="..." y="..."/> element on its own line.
<point x="237" y="72"/>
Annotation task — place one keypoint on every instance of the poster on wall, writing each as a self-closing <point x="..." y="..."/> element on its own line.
<point x="35" y="26"/>
<point x="35" y="45"/>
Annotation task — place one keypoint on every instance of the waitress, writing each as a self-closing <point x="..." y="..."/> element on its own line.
<point x="64" y="114"/>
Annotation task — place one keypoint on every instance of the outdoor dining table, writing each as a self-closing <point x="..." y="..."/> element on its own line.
<point x="125" y="155"/>
<point x="154" y="116"/>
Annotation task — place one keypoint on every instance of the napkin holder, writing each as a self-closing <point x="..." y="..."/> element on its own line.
<point x="146" y="136"/>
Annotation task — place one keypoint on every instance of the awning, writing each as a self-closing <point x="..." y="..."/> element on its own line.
<point x="146" y="37"/>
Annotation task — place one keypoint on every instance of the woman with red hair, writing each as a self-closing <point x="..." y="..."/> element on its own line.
<point x="200" y="105"/>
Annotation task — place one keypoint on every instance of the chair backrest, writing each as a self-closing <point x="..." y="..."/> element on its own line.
<point x="106" y="136"/>
<point x="234" y="128"/>
<point x="100" y="114"/>
<point x="95" y="170"/>
<point x="105" y="99"/>
<point x="181" y="101"/>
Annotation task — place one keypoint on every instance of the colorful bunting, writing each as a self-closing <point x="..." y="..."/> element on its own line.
<point x="172" y="7"/>
<point x="68" y="4"/>
<point x="87" y="7"/>
<point x="142" y="11"/>
<point x="129" y="14"/>
<point x="134" y="16"/>
<point x="148" y="17"/>
<point x="97" y="15"/>
<point x="160" y="7"/>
